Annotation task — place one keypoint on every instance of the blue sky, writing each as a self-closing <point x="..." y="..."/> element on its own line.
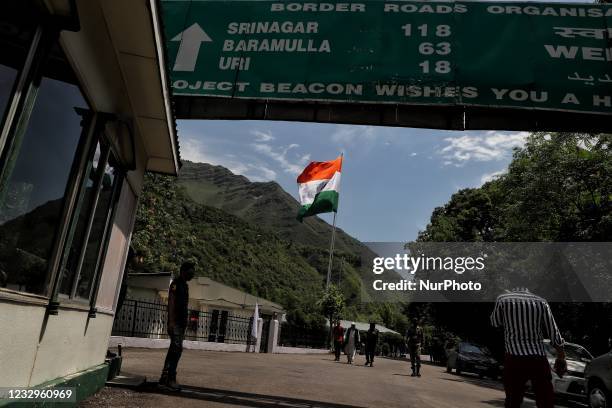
<point x="392" y="178"/>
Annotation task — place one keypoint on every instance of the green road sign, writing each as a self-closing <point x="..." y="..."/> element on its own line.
<point x="551" y="56"/>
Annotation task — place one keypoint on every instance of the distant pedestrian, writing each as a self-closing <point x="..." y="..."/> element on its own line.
<point x="370" y="344"/>
<point x="527" y="320"/>
<point x="338" y="335"/>
<point x="414" y="338"/>
<point x="178" y="310"/>
<point x="351" y="340"/>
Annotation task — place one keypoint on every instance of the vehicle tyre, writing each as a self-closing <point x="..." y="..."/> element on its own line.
<point x="458" y="368"/>
<point x="599" y="397"/>
<point x="481" y="375"/>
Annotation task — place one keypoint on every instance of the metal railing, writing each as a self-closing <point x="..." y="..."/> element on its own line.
<point x="139" y="318"/>
<point x="292" y="336"/>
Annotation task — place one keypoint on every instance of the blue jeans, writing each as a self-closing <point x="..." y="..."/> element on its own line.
<point x="174" y="353"/>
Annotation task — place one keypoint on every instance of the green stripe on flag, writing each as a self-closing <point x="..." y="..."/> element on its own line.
<point x="324" y="202"/>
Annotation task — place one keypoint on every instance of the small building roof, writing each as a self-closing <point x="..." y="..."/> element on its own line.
<point x="206" y="291"/>
<point x="213" y="292"/>
<point x="362" y="326"/>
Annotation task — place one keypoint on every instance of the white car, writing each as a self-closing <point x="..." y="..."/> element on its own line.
<point x="572" y="385"/>
<point x="599" y="381"/>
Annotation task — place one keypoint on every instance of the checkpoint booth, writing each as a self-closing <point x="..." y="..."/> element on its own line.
<point x="85" y="110"/>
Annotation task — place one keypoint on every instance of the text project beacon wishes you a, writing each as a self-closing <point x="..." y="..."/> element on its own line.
<point x="411" y="264"/>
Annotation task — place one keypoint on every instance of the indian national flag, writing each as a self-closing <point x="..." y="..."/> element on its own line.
<point x="318" y="185"/>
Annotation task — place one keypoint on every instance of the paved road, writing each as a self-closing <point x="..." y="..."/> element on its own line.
<point x="218" y="379"/>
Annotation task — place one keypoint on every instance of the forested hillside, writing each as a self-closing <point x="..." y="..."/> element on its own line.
<point x="251" y="241"/>
<point x="558" y="188"/>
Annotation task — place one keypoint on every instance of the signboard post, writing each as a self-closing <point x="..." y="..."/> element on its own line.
<point x="535" y="56"/>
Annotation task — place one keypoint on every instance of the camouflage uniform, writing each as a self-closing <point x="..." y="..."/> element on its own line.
<point x="414" y="336"/>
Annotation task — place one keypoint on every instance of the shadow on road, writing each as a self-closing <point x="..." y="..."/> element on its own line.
<point x="240" y="398"/>
<point x="477" y="381"/>
<point x="500" y="403"/>
<point x="343" y="362"/>
<point x="499" y="386"/>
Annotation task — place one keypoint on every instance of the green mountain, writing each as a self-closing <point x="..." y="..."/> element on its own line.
<point x="264" y="204"/>
<point x="245" y="234"/>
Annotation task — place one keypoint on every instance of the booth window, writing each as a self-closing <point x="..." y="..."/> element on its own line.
<point x="16" y="33"/>
<point x="99" y="231"/>
<point x="38" y="162"/>
<point x="89" y="232"/>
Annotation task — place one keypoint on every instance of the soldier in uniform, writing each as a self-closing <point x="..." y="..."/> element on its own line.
<point x="414" y="337"/>
<point x="178" y="303"/>
<point x="370" y="344"/>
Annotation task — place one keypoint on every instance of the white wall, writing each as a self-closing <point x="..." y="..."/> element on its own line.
<point x="19" y="330"/>
<point x="70" y="343"/>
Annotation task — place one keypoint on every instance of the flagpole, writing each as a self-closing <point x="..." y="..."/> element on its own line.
<point x="331" y="246"/>
<point x="331" y="252"/>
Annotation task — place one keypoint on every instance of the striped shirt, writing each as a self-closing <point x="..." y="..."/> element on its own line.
<point x="527" y="321"/>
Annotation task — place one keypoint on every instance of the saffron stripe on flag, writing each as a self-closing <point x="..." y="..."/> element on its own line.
<point x="320" y="170"/>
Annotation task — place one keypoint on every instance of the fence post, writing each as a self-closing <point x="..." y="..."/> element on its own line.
<point x="259" y="332"/>
<point x="134" y="318"/>
<point x="273" y="336"/>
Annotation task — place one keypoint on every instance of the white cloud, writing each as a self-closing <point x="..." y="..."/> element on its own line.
<point x="262" y="137"/>
<point x="350" y="134"/>
<point x="195" y="151"/>
<point x="265" y="174"/>
<point x="491" y="176"/>
<point x="292" y="164"/>
<point x="491" y="146"/>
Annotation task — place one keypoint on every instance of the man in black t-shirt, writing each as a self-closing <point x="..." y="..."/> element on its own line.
<point x="178" y="310"/>
<point x="370" y="344"/>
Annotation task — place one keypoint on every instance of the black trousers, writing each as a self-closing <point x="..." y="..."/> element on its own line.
<point x="370" y="355"/>
<point x="519" y="369"/>
<point x="337" y="349"/>
<point x="174" y="353"/>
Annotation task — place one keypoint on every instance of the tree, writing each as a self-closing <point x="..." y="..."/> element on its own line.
<point x="332" y="305"/>
<point x="558" y="188"/>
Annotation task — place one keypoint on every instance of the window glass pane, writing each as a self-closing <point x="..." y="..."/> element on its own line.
<point x="35" y="178"/>
<point x="16" y="32"/>
<point x="95" y="241"/>
<point x="7" y="78"/>
<point x="75" y="241"/>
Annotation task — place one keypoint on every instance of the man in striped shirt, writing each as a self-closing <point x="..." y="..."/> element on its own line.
<point x="527" y="320"/>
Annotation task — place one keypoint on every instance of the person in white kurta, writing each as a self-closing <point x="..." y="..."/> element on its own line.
<point x="351" y="341"/>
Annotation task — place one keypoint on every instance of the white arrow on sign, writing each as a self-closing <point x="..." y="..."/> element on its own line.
<point x="189" y="48"/>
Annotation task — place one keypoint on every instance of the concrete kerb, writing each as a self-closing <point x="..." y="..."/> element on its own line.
<point x="299" y="350"/>
<point x="85" y="383"/>
<point x="138" y="342"/>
